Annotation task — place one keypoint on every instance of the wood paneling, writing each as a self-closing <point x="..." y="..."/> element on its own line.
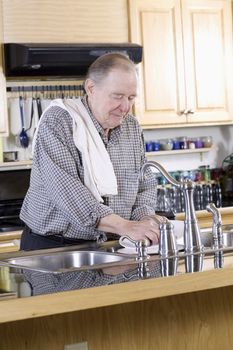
<point x="65" y="21"/>
<point x="202" y="321"/>
<point x="91" y="298"/>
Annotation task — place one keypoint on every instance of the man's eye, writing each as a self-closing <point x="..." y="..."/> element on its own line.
<point x="131" y="98"/>
<point x="117" y="96"/>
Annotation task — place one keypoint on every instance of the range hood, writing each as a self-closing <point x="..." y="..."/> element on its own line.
<point x="60" y="59"/>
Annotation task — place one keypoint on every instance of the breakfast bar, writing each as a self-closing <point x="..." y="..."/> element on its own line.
<point x="191" y="311"/>
<point x="184" y="311"/>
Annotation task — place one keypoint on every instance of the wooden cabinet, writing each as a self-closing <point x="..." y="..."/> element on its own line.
<point x="58" y="21"/>
<point x="187" y="70"/>
<point x="71" y="21"/>
<point x="3" y="103"/>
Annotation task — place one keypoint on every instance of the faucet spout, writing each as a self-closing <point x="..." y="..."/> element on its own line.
<point x="192" y="240"/>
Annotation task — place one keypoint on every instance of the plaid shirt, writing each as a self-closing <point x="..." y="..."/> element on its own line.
<point x="45" y="283"/>
<point x="57" y="202"/>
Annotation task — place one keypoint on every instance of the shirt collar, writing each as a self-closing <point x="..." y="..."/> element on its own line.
<point x="114" y="133"/>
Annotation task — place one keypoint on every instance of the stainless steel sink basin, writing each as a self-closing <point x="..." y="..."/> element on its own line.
<point x="65" y="261"/>
<point x="207" y="237"/>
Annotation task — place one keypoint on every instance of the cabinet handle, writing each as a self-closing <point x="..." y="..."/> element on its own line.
<point x="187" y="111"/>
<point x="191" y="111"/>
<point x="184" y="111"/>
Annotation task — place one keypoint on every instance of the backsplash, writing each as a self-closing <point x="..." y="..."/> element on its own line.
<point x="222" y="146"/>
<point x="25" y="106"/>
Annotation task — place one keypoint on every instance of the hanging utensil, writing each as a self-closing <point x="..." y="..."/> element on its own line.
<point x="39" y="107"/>
<point x="31" y="116"/>
<point x="23" y="137"/>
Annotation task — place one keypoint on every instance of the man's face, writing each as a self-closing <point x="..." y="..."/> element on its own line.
<point x="111" y="99"/>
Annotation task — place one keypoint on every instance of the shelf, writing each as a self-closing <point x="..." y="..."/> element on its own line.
<point x="179" y="151"/>
<point x="17" y="165"/>
<point x="27" y="164"/>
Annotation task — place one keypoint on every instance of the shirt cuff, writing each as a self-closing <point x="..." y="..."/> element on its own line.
<point x="99" y="212"/>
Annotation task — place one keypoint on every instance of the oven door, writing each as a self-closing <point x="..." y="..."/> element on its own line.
<point x="13" y="188"/>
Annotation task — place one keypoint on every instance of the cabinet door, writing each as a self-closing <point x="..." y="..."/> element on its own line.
<point x="3" y="101"/>
<point x="207" y="35"/>
<point x="156" y="25"/>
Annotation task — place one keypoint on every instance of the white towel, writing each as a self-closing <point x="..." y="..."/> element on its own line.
<point x="99" y="176"/>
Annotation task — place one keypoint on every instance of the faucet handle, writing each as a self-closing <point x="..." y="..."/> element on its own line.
<point x="217" y="219"/>
<point x="217" y="225"/>
<point x="140" y="247"/>
<point x="167" y="243"/>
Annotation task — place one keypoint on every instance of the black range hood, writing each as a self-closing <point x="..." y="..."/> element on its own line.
<point x="60" y="59"/>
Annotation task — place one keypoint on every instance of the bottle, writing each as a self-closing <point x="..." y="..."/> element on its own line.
<point x="198" y="198"/>
<point x="218" y="195"/>
<point x="162" y="201"/>
<point x="182" y="201"/>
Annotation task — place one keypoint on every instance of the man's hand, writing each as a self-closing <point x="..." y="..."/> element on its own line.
<point x="147" y="228"/>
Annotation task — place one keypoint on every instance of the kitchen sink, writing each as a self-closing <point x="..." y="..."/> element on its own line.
<point x="65" y="261"/>
<point x="207" y="236"/>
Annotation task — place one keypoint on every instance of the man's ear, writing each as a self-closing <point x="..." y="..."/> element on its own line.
<point x="89" y="86"/>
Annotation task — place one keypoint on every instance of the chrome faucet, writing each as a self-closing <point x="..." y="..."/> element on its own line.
<point x="217" y="226"/>
<point x="217" y="235"/>
<point x="141" y="258"/>
<point x="192" y="239"/>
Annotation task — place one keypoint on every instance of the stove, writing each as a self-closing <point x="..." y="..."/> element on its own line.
<point x="13" y="188"/>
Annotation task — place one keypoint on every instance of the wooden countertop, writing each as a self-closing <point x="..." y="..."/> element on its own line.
<point x="9" y="241"/>
<point x="7" y="236"/>
<point x="205" y="218"/>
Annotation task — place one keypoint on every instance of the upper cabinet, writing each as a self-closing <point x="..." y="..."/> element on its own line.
<point x="186" y="77"/>
<point x="3" y="103"/>
<point x="59" y="21"/>
<point x="70" y="21"/>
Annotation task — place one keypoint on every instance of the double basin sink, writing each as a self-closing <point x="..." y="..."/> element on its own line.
<point x="69" y="259"/>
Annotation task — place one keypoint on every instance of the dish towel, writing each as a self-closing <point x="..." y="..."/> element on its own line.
<point x="99" y="176"/>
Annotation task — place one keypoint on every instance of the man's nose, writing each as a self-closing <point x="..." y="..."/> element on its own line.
<point x="125" y="105"/>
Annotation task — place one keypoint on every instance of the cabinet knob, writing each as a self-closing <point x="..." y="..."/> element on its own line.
<point x="191" y="111"/>
<point x="187" y="111"/>
<point x="184" y="111"/>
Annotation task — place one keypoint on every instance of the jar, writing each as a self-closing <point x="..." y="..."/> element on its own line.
<point x="198" y="142"/>
<point x="155" y="145"/>
<point x="149" y="146"/>
<point x="166" y="144"/>
<point x="207" y="141"/>
<point x="176" y="144"/>
<point x="183" y="143"/>
<point x="191" y="143"/>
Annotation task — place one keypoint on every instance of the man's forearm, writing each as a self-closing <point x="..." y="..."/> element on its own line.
<point x="113" y="223"/>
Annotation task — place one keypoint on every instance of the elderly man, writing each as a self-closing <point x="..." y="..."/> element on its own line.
<point x="87" y="158"/>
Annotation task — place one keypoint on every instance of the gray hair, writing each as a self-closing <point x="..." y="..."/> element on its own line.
<point x="100" y="68"/>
